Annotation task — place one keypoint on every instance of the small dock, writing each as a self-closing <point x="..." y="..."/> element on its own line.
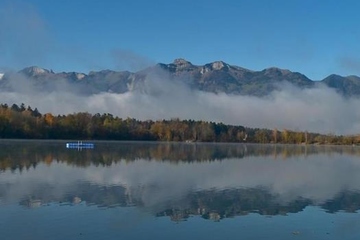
<point x="79" y="145"/>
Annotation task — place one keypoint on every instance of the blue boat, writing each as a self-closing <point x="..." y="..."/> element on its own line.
<point x="79" y="145"/>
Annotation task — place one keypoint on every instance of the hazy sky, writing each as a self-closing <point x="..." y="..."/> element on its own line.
<point x="316" y="38"/>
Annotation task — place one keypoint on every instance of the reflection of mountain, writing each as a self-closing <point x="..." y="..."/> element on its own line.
<point x="213" y="181"/>
<point x="226" y="204"/>
<point x="210" y="204"/>
<point x="217" y="205"/>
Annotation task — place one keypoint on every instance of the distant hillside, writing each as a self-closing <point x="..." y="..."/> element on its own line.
<point x="348" y="86"/>
<point x="214" y="77"/>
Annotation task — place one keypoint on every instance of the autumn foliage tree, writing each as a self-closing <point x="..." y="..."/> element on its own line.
<point x="25" y="122"/>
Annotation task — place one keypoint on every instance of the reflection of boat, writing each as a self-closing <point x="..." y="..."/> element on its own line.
<point x="76" y="200"/>
<point x="31" y="203"/>
<point x="79" y="145"/>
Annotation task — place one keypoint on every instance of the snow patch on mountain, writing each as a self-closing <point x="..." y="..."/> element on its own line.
<point x="37" y="70"/>
<point x="80" y="76"/>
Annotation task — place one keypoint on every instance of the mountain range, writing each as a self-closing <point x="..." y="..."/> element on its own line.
<point x="216" y="77"/>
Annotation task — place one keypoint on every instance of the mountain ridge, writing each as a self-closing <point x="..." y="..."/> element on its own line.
<point x="216" y="77"/>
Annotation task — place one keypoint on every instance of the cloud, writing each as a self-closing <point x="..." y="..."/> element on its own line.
<point x="24" y="36"/>
<point x="130" y="61"/>
<point x="350" y="64"/>
<point x="318" y="109"/>
<point x="27" y="39"/>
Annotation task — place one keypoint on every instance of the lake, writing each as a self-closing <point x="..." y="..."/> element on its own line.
<point x="138" y="190"/>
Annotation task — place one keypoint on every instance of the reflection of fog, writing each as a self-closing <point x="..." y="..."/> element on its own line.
<point x="152" y="183"/>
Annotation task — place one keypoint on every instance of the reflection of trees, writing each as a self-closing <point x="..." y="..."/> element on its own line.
<point x="26" y="154"/>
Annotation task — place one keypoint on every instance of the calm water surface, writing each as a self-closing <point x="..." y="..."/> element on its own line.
<point x="178" y="191"/>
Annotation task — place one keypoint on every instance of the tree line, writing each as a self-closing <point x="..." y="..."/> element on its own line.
<point x="26" y="123"/>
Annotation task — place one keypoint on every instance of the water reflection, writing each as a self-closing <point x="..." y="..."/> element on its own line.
<point x="214" y="181"/>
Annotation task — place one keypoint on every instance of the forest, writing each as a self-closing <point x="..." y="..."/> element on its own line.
<point x="24" y="122"/>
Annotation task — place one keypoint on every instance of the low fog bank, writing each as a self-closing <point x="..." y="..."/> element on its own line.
<point x="318" y="109"/>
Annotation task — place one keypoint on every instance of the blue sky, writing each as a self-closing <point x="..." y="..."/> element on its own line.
<point x="316" y="38"/>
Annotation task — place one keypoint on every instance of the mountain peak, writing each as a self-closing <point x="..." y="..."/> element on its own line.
<point x="1" y="75"/>
<point x="334" y="77"/>
<point x="353" y="77"/>
<point x="73" y="75"/>
<point x="79" y="76"/>
<point x="217" y="65"/>
<point x="276" y="70"/>
<point x="181" y="62"/>
<point x="34" y="70"/>
<point x="102" y="72"/>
